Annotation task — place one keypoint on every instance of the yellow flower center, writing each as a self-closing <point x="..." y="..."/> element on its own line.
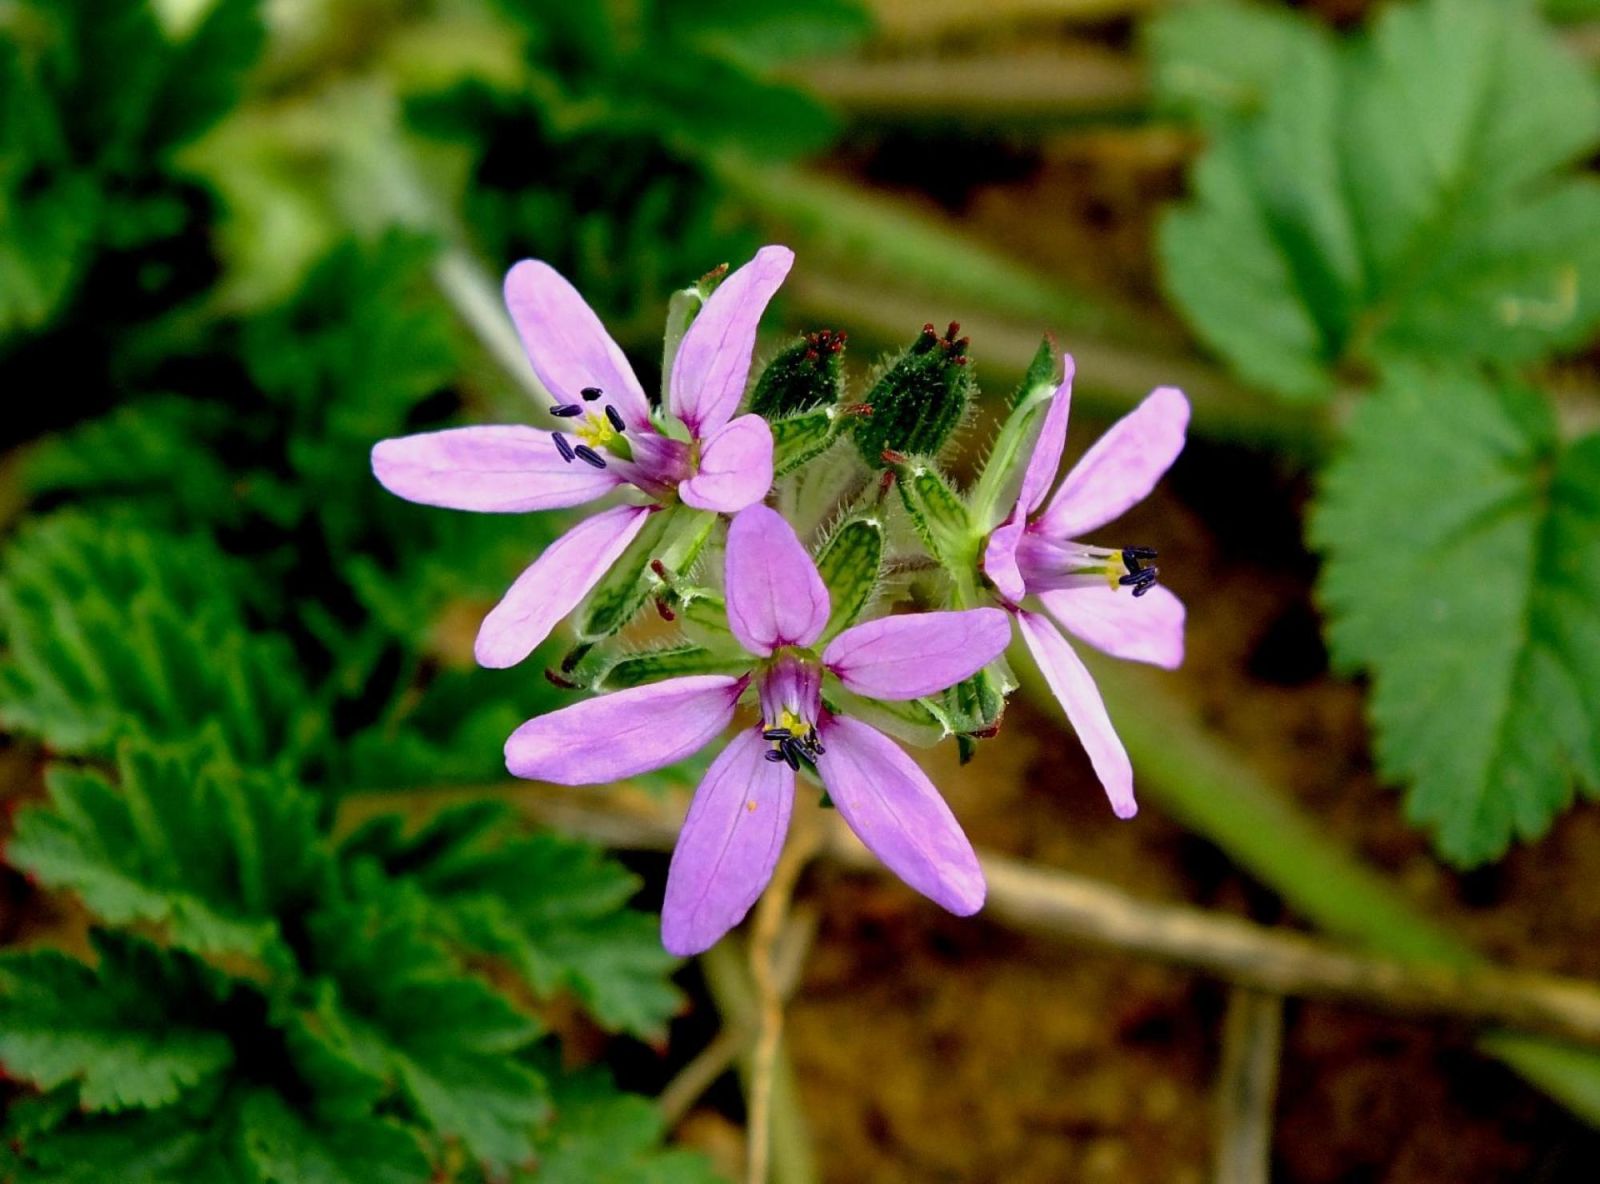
<point x="596" y="431"/>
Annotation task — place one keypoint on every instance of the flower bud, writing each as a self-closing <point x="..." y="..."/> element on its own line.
<point x="806" y="375"/>
<point x="918" y="402"/>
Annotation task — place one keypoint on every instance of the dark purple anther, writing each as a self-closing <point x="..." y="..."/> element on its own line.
<point x="615" y="417"/>
<point x="774" y="755"/>
<point x="591" y="393"/>
<point x="562" y="446"/>
<point x="790" y="750"/>
<point x="589" y="456"/>
<point x="566" y="410"/>
<point x="776" y="734"/>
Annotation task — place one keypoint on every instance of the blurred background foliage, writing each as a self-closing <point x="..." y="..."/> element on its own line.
<point x="240" y="240"/>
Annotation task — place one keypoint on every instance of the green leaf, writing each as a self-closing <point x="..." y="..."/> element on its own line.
<point x="1221" y="59"/>
<point x="1463" y="571"/>
<point x="185" y="840"/>
<point x="849" y="566"/>
<point x="606" y="1137"/>
<point x="556" y="908"/>
<point x="285" y="1147"/>
<point x="141" y="1147"/>
<point x="127" y="1032"/>
<point x="154" y="450"/>
<point x="111" y="630"/>
<point x="402" y="1009"/>
<point x="1409" y="196"/>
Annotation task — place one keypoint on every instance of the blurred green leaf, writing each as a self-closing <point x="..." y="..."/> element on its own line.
<point x="130" y="1031"/>
<point x="94" y="100"/>
<point x="1404" y="197"/>
<point x="605" y="1137"/>
<point x="211" y="854"/>
<point x="112" y="630"/>
<point x="1220" y="59"/>
<point x="1463" y="571"/>
<point x="555" y="908"/>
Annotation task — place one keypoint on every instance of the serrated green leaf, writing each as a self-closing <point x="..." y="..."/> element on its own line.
<point x="285" y="1147"/>
<point x="1463" y="571"/>
<point x="555" y="907"/>
<point x="607" y="1137"/>
<point x="112" y="630"/>
<point x="186" y="841"/>
<point x="404" y="1011"/>
<point x="849" y="565"/>
<point x="143" y="1147"/>
<point x="126" y="1031"/>
<point x="1405" y="197"/>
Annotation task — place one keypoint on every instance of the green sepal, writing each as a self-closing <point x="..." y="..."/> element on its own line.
<point x="1001" y="479"/>
<point x="918" y="402"/>
<point x="849" y="566"/>
<point x="675" y="536"/>
<point x="806" y="375"/>
<point x="802" y="437"/>
<point x="682" y="308"/>
<point x="975" y="706"/>
<point x="674" y="661"/>
<point x="918" y="722"/>
<point x="937" y="512"/>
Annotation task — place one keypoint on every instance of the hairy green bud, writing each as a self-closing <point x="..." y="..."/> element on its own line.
<point x="919" y="401"/>
<point x="806" y="375"/>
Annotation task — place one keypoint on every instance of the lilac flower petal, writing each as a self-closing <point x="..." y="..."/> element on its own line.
<point x="775" y="596"/>
<point x="1000" y="558"/>
<point x="625" y="733"/>
<point x="1080" y="699"/>
<point x="505" y="468"/>
<point x="735" y="468"/>
<point x="1122" y="467"/>
<point x="895" y="810"/>
<point x="713" y="362"/>
<point x="566" y="343"/>
<point x="1046" y="458"/>
<point x="910" y="656"/>
<point x="1146" y="629"/>
<point x="728" y="846"/>
<point x="554" y="584"/>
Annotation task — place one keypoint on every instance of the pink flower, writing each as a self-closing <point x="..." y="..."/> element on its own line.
<point x="703" y="457"/>
<point x="778" y="608"/>
<point x="1108" y="598"/>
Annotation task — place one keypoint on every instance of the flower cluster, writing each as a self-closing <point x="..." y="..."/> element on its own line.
<point x="807" y="637"/>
